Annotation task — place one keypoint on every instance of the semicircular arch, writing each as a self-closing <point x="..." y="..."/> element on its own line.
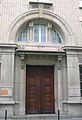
<point x="57" y="21"/>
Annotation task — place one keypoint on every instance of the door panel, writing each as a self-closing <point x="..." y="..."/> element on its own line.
<point x="47" y="90"/>
<point x="32" y="90"/>
<point x="39" y="89"/>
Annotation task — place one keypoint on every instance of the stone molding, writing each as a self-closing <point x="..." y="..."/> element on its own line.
<point x="72" y="48"/>
<point x="7" y="102"/>
<point x="50" y="16"/>
<point x="6" y="45"/>
<point x="72" y="102"/>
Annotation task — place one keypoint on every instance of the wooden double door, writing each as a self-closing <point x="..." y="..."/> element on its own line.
<point x="39" y="89"/>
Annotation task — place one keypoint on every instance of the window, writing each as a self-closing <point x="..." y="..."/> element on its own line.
<point x="39" y="33"/>
<point x="40" y="30"/>
<point x="81" y="80"/>
<point x="80" y="3"/>
<point x="23" y="35"/>
<point x="43" y="33"/>
<point x="36" y="33"/>
<point x="55" y="37"/>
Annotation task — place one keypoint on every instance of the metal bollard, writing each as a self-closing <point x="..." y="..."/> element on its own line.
<point x="58" y="114"/>
<point x="5" y="114"/>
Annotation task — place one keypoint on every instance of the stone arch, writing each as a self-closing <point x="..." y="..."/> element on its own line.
<point x="43" y="14"/>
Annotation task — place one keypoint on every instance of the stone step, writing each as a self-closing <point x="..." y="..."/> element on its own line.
<point x="40" y="117"/>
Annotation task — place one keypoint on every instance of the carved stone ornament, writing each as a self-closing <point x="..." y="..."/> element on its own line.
<point x="59" y="62"/>
<point x="31" y="24"/>
<point x="22" y="61"/>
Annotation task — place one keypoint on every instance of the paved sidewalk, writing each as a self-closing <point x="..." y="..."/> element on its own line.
<point x="48" y="119"/>
<point x="72" y="119"/>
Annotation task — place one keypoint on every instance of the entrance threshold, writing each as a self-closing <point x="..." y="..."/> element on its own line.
<point x="41" y="117"/>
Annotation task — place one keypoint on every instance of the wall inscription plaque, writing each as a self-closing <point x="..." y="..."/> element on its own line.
<point x="74" y="92"/>
<point x="5" y="91"/>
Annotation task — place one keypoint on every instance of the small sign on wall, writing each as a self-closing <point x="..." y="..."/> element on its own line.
<point x="74" y="92"/>
<point x="5" y="91"/>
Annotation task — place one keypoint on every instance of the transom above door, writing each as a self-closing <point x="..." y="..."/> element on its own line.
<point x="39" y="89"/>
<point x="39" y="31"/>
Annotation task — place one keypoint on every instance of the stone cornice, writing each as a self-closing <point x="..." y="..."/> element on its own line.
<point x="23" y="52"/>
<point x="72" y="102"/>
<point x="66" y="48"/>
<point x="7" y="45"/>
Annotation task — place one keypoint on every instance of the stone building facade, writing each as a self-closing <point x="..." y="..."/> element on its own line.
<point x="41" y="57"/>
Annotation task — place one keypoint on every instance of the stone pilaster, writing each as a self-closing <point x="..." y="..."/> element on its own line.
<point x="49" y="32"/>
<point x="31" y="31"/>
<point x="22" y="87"/>
<point x="59" y="83"/>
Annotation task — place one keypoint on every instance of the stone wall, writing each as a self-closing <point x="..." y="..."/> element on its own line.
<point x="68" y="10"/>
<point x="68" y="16"/>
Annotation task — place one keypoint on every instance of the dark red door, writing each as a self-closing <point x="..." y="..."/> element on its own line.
<point x="39" y="89"/>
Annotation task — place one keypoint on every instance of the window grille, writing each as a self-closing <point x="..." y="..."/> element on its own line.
<point x="34" y="5"/>
<point x="40" y="5"/>
<point x="47" y="6"/>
